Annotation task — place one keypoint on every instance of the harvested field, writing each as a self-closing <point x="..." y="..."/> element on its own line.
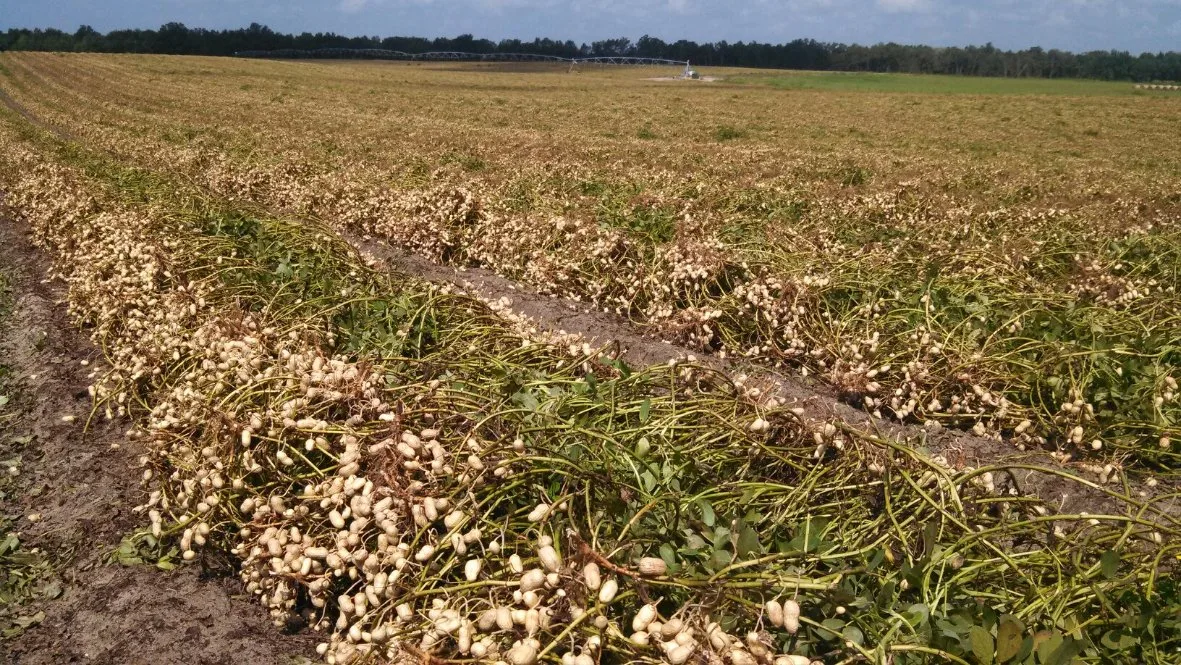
<point x="456" y="364"/>
<point x="68" y="508"/>
<point x="785" y="227"/>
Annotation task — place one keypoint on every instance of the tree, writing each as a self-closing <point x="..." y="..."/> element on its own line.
<point x="619" y="46"/>
<point x="176" y="38"/>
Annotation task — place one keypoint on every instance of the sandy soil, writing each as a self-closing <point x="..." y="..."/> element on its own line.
<point x="82" y="482"/>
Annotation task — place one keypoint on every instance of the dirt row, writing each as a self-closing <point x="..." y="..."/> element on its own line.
<point x="820" y="402"/>
<point x="78" y="482"/>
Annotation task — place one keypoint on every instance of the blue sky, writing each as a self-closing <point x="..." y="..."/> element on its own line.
<point x="1133" y="25"/>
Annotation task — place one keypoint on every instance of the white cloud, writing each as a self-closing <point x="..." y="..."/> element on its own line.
<point x="897" y="6"/>
<point x="1058" y="19"/>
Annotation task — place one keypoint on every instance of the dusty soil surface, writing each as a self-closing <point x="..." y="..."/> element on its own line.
<point x="79" y="483"/>
<point x="819" y="401"/>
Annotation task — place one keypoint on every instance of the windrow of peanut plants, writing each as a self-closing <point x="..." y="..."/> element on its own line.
<point x="920" y="299"/>
<point x="392" y="466"/>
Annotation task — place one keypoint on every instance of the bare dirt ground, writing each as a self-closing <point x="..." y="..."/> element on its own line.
<point x="79" y="483"/>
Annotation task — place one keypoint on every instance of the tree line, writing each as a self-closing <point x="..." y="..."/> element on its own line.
<point x="987" y="60"/>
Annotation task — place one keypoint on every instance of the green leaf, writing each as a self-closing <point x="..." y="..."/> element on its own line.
<point x="642" y="447"/>
<point x="809" y="535"/>
<point x="1066" y="652"/>
<point x="853" y="634"/>
<point x="23" y="559"/>
<point x="645" y="410"/>
<point x="1109" y="564"/>
<point x="707" y="513"/>
<point x="128" y="553"/>
<point x="917" y="614"/>
<point x="10" y="544"/>
<point x="930" y="537"/>
<point x="1025" y="653"/>
<point x="721" y="559"/>
<point x="956" y="626"/>
<point x="748" y="541"/>
<point x="526" y="401"/>
<point x="668" y="471"/>
<point x="1049" y="648"/>
<point x="835" y="628"/>
<point x="982" y="646"/>
<point x="1071" y="625"/>
<point x="1008" y="638"/>
<point x="875" y="560"/>
<point x="946" y="629"/>
<point x="1117" y="640"/>
<point x="885" y="597"/>
<point x="648" y="479"/>
<point x="669" y="555"/>
<point x="990" y="618"/>
<point x="728" y="622"/>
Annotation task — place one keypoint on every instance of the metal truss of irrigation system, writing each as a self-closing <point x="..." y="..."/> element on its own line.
<point x="384" y="54"/>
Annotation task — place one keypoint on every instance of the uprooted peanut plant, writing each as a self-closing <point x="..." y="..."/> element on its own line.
<point x="395" y="467"/>
<point x="935" y="260"/>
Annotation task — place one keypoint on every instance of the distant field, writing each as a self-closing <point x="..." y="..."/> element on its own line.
<point x="932" y="84"/>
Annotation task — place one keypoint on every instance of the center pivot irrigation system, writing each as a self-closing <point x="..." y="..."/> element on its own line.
<point x="384" y="54"/>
